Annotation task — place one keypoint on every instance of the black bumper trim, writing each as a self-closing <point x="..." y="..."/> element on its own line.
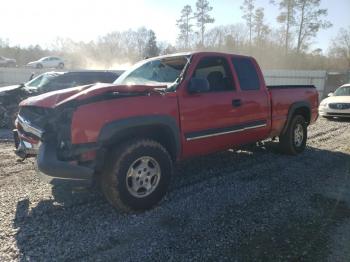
<point x="49" y="164"/>
<point x="335" y="114"/>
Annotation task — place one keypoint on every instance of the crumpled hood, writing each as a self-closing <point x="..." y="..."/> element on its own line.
<point x="5" y="89"/>
<point x="57" y="98"/>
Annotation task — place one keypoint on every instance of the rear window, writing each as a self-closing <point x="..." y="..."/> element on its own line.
<point x="246" y="72"/>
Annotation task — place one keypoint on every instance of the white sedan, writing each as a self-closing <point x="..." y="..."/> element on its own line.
<point x="337" y="104"/>
<point x="47" y="62"/>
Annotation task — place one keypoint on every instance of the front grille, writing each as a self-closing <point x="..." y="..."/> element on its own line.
<point x="339" y="106"/>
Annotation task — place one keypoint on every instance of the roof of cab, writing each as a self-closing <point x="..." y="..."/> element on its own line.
<point x="211" y="53"/>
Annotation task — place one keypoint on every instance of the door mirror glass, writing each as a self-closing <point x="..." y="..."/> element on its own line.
<point x="198" y="85"/>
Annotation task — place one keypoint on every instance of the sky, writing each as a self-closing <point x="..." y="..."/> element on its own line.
<point x="30" y="22"/>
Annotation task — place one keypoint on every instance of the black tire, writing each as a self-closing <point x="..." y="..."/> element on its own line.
<point x="327" y="117"/>
<point x="292" y="143"/>
<point x="39" y="66"/>
<point x="61" y="66"/>
<point x="115" y="184"/>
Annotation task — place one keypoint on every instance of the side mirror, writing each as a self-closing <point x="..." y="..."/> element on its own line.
<point x="198" y="85"/>
<point x="331" y="94"/>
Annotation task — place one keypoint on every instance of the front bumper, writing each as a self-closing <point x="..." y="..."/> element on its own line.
<point x="50" y="165"/>
<point x="25" y="146"/>
<point x="328" y="112"/>
<point x="27" y="138"/>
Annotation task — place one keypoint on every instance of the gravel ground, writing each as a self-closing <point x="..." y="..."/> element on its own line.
<point x="247" y="205"/>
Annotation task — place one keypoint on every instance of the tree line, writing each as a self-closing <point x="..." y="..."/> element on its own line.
<point x="286" y="46"/>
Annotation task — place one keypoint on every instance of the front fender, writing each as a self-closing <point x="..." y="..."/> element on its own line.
<point x="111" y="130"/>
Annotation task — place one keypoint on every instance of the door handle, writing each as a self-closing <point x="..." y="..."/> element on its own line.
<point x="236" y="102"/>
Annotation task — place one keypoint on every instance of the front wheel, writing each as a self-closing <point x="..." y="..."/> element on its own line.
<point x="293" y="141"/>
<point x="137" y="175"/>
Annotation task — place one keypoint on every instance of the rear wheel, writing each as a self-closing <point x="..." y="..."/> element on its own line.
<point x="293" y="141"/>
<point x="39" y="66"/>
<point x="137" y="175"/>
<point x="61" y="66"/>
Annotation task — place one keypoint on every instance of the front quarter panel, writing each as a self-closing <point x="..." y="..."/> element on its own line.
<point x="88" y="120"/>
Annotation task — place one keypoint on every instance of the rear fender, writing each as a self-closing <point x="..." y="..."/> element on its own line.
<point x="293" y="109"/>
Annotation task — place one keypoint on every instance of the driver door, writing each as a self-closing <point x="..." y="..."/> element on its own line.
<point x="209" y="119"/>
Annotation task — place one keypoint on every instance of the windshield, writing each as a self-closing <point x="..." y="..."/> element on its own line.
<point x="342" y="91"/>
<point x="41" y="80"/>
<point x="162" y="71"/>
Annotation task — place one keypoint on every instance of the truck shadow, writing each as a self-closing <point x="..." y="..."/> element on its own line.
<point x="62" y="227"/>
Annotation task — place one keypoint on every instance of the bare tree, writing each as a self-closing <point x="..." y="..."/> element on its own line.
<point x="287" y="19"/>
<point x="185" y="25"/>
<point x="141" y="40"/>
<point x="215" y="38"/>
<point x="310" y="21"/>
<point x="341" y="46"/>
<point x="248" y="15"/>
<point x="203" y="17"/>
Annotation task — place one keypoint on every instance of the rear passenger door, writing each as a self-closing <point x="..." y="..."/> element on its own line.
<point x="255" y="100"/>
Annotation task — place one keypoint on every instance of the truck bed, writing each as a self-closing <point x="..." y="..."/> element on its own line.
<point x="283" y="96"/>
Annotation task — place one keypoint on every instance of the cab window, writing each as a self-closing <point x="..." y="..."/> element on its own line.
<point x="217" y="72"/>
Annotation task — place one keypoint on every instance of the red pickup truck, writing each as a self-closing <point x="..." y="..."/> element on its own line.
<point x="165" y="109"/>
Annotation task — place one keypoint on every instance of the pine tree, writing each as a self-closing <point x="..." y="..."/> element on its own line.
<point x="310" y="21"/>
<point x="261" y="29"/>
<point x="287" y="19"/>
<point x="203" y="17"/>
<point x="185" y="26"/>
<point x="248" y="15"/>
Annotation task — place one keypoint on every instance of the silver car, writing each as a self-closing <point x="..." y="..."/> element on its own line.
<point x="7" y="62"/>
<point x="47" y="62"/>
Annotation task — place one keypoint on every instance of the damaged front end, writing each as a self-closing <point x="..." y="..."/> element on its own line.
<point x="44" y="133"/>
<point x="30" y="124"/>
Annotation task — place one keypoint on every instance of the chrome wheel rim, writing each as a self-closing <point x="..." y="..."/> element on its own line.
<point x="298" y="135"/>
<point x="143" y="176"/>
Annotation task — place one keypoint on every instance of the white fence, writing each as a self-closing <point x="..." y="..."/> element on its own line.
<point x="10" y="76"/>
<point x="297" y="77"/>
